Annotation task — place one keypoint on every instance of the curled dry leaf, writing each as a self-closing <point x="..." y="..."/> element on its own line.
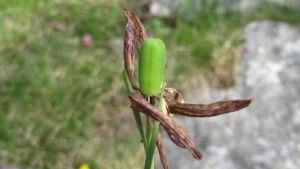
<point x="173" y="94"/>
<point x="137" y="27"/>
<point x="160" y="145"/>
<point x="206" y="110"/>
<point x="128" y="52"/>
<point x="161" y="149"/>
<point x="177" y="133"/>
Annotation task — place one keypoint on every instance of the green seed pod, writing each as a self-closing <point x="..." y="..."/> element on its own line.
<point x="151" y="66"/>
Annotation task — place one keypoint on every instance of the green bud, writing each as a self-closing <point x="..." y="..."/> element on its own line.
<point x="151" y="66"/>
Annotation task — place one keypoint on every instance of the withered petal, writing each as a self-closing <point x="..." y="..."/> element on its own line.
<point x="177" y="133"/>
<point x="172" y="94"/>
<point x="162" y="154"/>
<point x="139" y="31"/>
<point x="206" y="110"/>
<point x="128" y="52"/>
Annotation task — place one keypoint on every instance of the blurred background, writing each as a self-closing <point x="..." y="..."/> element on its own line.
<point x="63" y="102"/>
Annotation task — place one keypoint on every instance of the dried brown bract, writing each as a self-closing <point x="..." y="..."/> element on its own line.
<point x="206" y="110"/>
<point x="128" y="52"/>
<point x="161" y="150"/>
<point x="139" y="31"/>
<point x="177" y="133"/>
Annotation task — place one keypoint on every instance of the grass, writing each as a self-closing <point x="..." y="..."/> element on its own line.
<point x="63" y="103"/>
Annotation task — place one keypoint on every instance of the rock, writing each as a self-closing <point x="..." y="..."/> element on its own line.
<point x="191" y="7"/>
<point x="242" y="5"/>
<point x="264" y="135"/>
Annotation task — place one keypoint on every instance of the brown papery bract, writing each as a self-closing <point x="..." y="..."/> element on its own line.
<point x="206" y="110"/>
<point x="161" y="150"/>
<point x="128" y="52"/>
<point x="177" y="133"/>
<point x="140" y="34"/>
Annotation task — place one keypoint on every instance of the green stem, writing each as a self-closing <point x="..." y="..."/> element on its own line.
<point x="149" y="163"/>
<point x="148" y="130"/>
<point x="136" y="114"/>
<point x="151" y="148"/>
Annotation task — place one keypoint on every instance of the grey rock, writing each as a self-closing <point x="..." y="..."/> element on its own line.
<point x="191" y="7"/>
<point x="264" y="135"/>
<point x="242" y="5"/>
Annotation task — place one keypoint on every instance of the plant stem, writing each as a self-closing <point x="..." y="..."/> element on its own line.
<point x="149" y="163"/>
<point x="136" y="114"/>
<point x="148" y="130"/>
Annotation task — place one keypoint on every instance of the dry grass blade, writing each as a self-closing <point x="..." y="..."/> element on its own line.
<point x="206" y="110"/>
<point x="139" y="31"/>
<point x="177" y="133"/>
<point x="162" y="154"/>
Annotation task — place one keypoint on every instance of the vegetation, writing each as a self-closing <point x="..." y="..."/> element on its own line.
<point x="63" y="102"/>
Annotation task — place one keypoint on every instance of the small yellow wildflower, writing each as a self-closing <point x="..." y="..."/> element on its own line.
<point x="84" y="166"/>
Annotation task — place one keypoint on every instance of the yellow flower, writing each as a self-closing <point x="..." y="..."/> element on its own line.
<point x="84" y="166"/>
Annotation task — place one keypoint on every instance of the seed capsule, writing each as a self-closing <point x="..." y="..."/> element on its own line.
<point x="151" y="66"/>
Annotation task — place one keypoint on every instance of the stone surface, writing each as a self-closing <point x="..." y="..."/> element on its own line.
<point x="266" y="134"/>
<point x="190" y="7"/>
<point x="229" y="5"/>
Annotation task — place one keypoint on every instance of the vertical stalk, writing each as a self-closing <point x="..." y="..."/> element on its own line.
<point x="148" y="130"/>
<point x="149" y="133"/>
<point x="149" y="163"/>
<point x="136" y="114"/>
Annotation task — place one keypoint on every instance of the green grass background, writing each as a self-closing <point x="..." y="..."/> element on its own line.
<point x="63" y="104"/>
